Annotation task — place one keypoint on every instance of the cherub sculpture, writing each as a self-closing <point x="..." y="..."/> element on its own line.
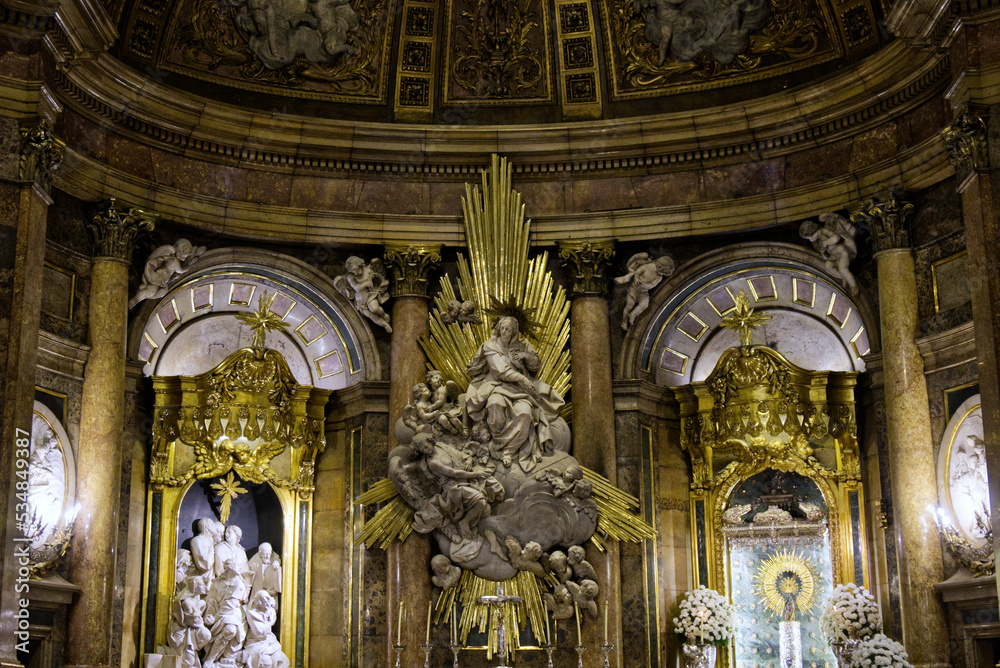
<point x="461" y="312"/>
<point x="561" y="483"/>
<point x="446" y="575"/>
<point x="419" y="415"/>
<point x="582" y="570"/>
<point x="444" y="395"/>
<point x="644" y="274"/>
<point x="560" y="602"/>
<point x="835" y="243"/>
<point x="584" y="595"/>
<point x="163" y="264"/>
<point x="367" y="287"/>
<point x="526" y="558"/>
<point x="559" y="567"/>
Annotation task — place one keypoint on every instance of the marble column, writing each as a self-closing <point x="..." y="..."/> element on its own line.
<point x="102" y="422"/>
<point x="911" y="452"/>
<point x="593" y="424"/>
<point x="408" y="567"/>
<point x="24" y="192"/>
<point x="979" y="186"/>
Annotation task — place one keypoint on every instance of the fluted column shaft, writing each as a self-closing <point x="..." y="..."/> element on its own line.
<point x="911" y="453"/>
<point x="408" y="562"/>
<point x="102" y="423"/>
<point x="594" y="418"/>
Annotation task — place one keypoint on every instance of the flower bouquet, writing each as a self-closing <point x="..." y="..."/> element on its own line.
<point x="880" y="651"/>
<point x="705" y="621"/>
<point x="850" y="616"/>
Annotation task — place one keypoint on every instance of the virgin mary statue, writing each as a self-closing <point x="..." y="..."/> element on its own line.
<point x="521" y="412"/>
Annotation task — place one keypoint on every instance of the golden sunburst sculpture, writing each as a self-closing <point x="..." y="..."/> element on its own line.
<point x="786" y="574"/>
<point x="262" y="320"/>
<point x="744" y="320"/>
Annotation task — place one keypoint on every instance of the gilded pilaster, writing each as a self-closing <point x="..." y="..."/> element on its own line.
<point x="979" y="185"/>
<point x="914" y="486"/>
<point x="102" y="423"/>
<point x="593" y="423"/>
<point x="408" y="577"/>
<point x="26" y="201"/>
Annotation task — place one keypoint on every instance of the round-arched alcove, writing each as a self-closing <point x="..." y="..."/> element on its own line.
<point x="814" y="323"/>
<point x="193" y="329"/>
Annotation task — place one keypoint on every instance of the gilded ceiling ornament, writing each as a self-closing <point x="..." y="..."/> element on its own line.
<point x="495" y="59"/>
<point x="786" y="583"/>
<point x="227" y="490"/>
<point x="411" y="267"/>
<point x="114" y="231"/>
<point x="744" y="320"/>
<point x="965" y="140"/>
<point x="662" y="42"/>
<point x="885" y="219"/>
<point x="589" y="263"/>
<point x="41" y="154"/>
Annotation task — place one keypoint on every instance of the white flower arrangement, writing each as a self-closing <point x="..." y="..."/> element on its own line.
<point x="851" y="612"/>
<point x="880" y="651"/>
<point x="706" y="617"/>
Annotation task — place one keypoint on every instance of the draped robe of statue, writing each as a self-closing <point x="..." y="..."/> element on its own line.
<point x="520" y="411"/>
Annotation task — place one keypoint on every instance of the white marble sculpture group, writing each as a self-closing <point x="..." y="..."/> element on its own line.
<point x="476" y="466"/>
<point x="224" y="605"/>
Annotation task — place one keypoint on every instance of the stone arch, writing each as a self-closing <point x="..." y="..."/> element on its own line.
<point x="191" y="328"/>
<point x="816" y="324"/>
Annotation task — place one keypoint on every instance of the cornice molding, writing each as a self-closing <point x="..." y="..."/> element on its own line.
<point x="878" y="89"/>
<point x="913" y="168"/>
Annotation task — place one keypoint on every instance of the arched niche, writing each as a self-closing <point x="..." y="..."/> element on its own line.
<point x="192" y="329"/>
<point x="814" y="323"/>
<point x="257" y="512"/>
<point x="963" y="489"/>
<point x="51" y="474"/>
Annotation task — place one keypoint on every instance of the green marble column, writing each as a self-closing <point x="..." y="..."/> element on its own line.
<point x="102" y="422"/>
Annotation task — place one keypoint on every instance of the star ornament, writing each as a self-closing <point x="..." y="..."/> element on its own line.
<point x="262" y="320"/>
<point x="744" y="320"/>
<point x="228" y="489"/>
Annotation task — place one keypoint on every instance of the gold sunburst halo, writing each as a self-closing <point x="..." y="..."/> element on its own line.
<point x="744" y="320"/>
<point x="228" y="489"/>
<point x="262" y="319"/>
<point x="786" y="572"/>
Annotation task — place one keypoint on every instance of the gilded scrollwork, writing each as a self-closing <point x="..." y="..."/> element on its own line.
<point x="660" y="43"/>
<point x="589" y="264"/>
<point x="114" y="231"/>
<point x="495" y="56"/>
<point x="885" y="219"/>
<point x="240" y="417"/>
<point x="41" y="154"/>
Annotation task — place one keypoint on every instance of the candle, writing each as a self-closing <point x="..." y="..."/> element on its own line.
<point x="605" y="622"/>
<point x="454" y="623"/>
<point x="548" y="630"/>
<point x="428" y="640"/>
<point x="555" y="627"/>
<point x="579" y="637"/>
<point x="399" y="625"/>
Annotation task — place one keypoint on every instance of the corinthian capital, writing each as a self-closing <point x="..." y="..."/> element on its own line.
<point x="114" y="231"/>
<point x="885" y="219"/>
<point x="965" y="140"/>
<point x="411" y="267"/>
<point x="589" y="262"/>
<point x="41" y="155"/>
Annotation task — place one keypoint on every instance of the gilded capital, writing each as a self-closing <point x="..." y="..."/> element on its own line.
<point x="965" y="140"/>
<point x="41" y="155"/>
<point x="411" y="267"/>
<point x="114" y="231"/>
<point x="885" y="219"/>
<point x="589" y="262"/>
